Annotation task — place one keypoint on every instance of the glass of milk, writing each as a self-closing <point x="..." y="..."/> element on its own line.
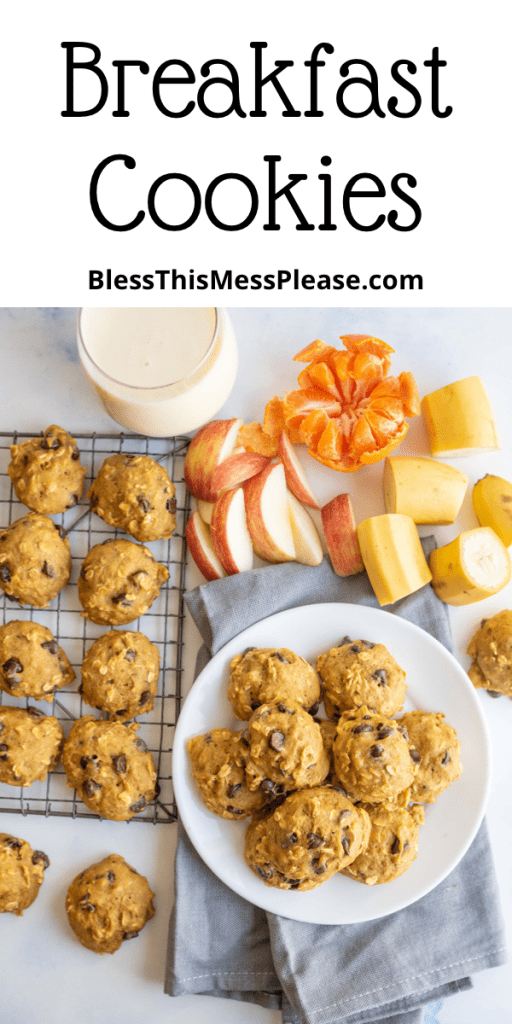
<point x="159" y="371"/>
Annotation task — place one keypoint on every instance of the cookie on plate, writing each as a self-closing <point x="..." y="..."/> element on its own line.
<point x="120" y="674"/>
<point x="259" y="675"/>
<point x="392" y="846"/>
<point x="219" y="774"/>
<point x="30" y="745"/>
<point x="46" y="472"/>
<point x="108" y="903"/>
<point x="35" y="560"/>
<point x="31" y="662"/>
<point x="21" y="874"/>
<point x="372" y="759"/>
<point x="119" y="581"/>
<point x="284" y="749"/>
<point x="358" y="672"/>
<point x="435" y="749"/>
<point x="135" y="494"/>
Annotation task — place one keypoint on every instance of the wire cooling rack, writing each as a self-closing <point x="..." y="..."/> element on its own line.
<point x="162" y="624"/>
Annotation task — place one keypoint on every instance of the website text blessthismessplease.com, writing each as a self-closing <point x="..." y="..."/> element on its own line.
<point x="229" y="281"/>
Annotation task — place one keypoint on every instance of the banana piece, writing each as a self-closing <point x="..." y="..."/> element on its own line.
<point x="492" y="502"/>
<point x="460" y="420"/>
<point x="424" y="489"/>
<point x="392" y="556"/>
<point x="473" y="566"/>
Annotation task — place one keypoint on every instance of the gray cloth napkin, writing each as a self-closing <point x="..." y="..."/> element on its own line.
<point x="383" y="970"/>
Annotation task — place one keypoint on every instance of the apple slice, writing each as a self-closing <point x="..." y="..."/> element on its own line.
<point x="340" y="535"/>
<point x="237" y="468"/>
<point x="201" y="548"/>
<point x="308" y="546"/>
<point x="268" y="518"/>
<point x="295" y="475"/>
<point x="210" y="446"/>
<point x="230" y="536"/>
<point x="205" y="509"/>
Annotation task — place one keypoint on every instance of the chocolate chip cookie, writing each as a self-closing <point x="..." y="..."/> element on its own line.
<point x="46" y="471"/>
<point x="35" y="560"/>
<point x="110" y="767"/>
<point x="261" y="675"/>
<point x="360" y="672"/>
<point x="372" y="759"/>
<point x="108" y="903"/>
<point x="120" y="674"/>
<point x="135" y="494"/>
<point x="393" y="843"/>
<point x="21" y="874"/>
<point x="491" y="651"/>
<point x="30" y="745"/>
<point x="284" y="749"/>
<point x="435" y="749"/>
<point x="119" y="581"/>
<point x="218" y="770"/>
<point x="31" y="662"/>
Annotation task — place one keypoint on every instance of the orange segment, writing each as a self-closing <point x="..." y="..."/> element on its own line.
<point x="273" y="420"/>
<point x="306" y="400"/>
<point x="319" y="375"/>
<point x="313" y="426"/>
<point x="410" y="396"/>
<point x="316" y="350"/>
<point x="253" y="439"/>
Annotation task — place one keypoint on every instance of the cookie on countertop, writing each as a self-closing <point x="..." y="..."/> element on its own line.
<point x="21" y="874"/>
<point x="119" y="581"/>
<point x="371" y="757"/>
<point x="30" y="745"/>
<point x="120" y="674"/>
<point x="436" y="749"/>
<point x="108" y="903"/>
<point x="46" y="471"/>
<point x="218" y="771"/>
<point x="312" y="835"/>
<point x="491" y="651"/>
<point x="259" y="675"/>
<point x="135" y="494"/>
<point x="110" y="767"/>
<point x="35" y="560"/>
<point x="31" y="662"/>
<point x="284" y="749"/>
<point x="358" y="672"/>
<point x="392" y="846"/>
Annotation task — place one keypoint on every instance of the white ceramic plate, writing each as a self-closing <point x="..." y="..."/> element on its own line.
<point x="436" y="682"/>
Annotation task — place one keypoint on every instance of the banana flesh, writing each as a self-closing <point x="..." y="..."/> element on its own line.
<point x="426" y="490"/>
<point x="392" y="556"/>
<point x="492" y="502"/>
<point x="473" y="566"/>
<point x="460" y="420"/>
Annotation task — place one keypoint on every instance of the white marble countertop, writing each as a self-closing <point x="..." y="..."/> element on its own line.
<point x="47" y="976"/>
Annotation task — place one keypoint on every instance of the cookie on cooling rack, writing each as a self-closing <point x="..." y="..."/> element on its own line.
<point x="35" y="560"/>
<point x="30" y="745"/>
<point x="120" y="674"/>
<point x="119" y="581"/>
<point x="110" y="767"/>
<point x="135" y="494"/>
<point x="46" y="472"/>
<point x="108" y="903"/>
<point x="31" y="662"/>
<point x="21" y="874"/>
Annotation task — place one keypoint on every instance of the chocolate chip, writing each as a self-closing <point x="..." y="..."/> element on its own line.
<point x="395" y="846"/>
<point x="314" y="708"/>
<point x="263" y="873"/>
<point x="314" y="840"/>
<point x="138" y="805"/>
<point x="482" y="622"/>
<point x="339" y="789"/>
<point x="405" y="846"/>
<point x="12" y="844"/>
<point x="235" y="810"/>
<point x="144" y="697"/>
<point x="2" y="727"/>
<point x="121" y="599"/>
<point x="35" y="712"/>
<point x="11" y="670"/>
<point x="5" y="574"/>
<point x="355" y="649"/>
<point x="111" y="877"/>
<point x="140" y="744"/>
<point x="345" y="844"/>
<point x="118" y="763"/>
<point x="51" y="646"/>
<point x="381" y="676"/>
<point x="362" y="728"/>
<point x="269" y="788"/>
<point x="91" y="787"/>
<point x="318" y="868"/>
<point x="94" y="501"/>
<point x="130" y="935"/>
<point x="293" y="882"/>
<point x="365" y="717"/>
<point x="55" y="443"/>
<point x="255" y="704"/>
<point x="384" y="731"/>
<point x="284" y="710"/>
<point x="60" y="529"/>
<point x="171" y="505"/>
<point x="122" y="711"/>
<point x="276" y="740"/>
<point x="144" y="503"/>
<point x="446" y="759"/>
<point x="376" y="750"/>
<point x="346" y="640"/>
<point x="367" y="644"/>
<point x="280" y="657"/>
<point x="75" y="455"/>
<point x="84" y="905"/>
<point x="494" y="693"/>
<point x="48" y="569"/>
<point x="415" y="755"/>
<point x="129" y="655"/>
<point x="128" y="459"/>
<point x="294" y="837"/>
<point x="37" y="856"/>
<point x="84" y="761"/>
<point x="244" y="737"/>
<point x="233" y="789"/>
<point x="403" y="731"/>
<point x="248" y="651"/>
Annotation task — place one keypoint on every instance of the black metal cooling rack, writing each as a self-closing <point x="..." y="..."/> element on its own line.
<point x="162" y="624"/>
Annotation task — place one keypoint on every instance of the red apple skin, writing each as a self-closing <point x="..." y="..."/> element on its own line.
<point x="263" y="543"/>
<point x="295" y="475"/>
<point x="222" y="541"/>
<point x="340" y="536"/>
<point x="201" y="548"/>
<point x="236" y="469"/>
<point x="207" y="449"/>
